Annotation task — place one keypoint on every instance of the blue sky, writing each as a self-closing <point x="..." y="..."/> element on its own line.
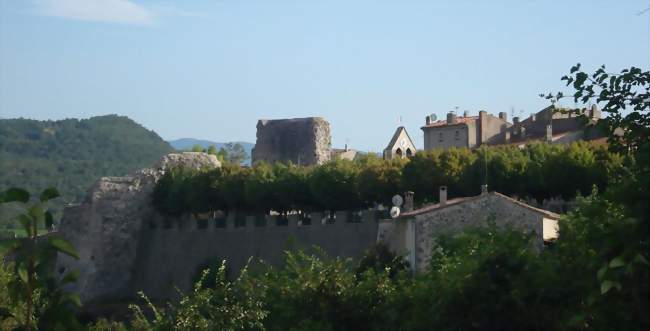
<point x="211" y="69"/>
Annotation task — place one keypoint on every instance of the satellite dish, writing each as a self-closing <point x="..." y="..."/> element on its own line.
<point x="394" y="212"/>
<point x="433" y="117"/>
<point x="397" y="200"/>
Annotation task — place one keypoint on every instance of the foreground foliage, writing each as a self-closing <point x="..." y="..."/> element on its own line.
<point x="595" y="277"/>
<point x="35" y="298"/>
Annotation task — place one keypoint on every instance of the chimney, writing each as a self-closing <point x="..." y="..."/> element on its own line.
<point x="533" y="117"/>
<point x="451" y="118"/>
<point x="346" y="147"/>
<point x="443" y="195"/>
<point x="428" y="120"/>
<point x="484" y="189"/>
<point x="408" y="201"/>
<point x="515" y="120"/>
<point x="549" y="133"/>
<point x="466" y="114"/>
<point x="506" y="137"/>
<point x="594" y="112"/>
<point x="504" y="116"/>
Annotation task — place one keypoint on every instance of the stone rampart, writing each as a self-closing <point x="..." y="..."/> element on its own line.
<point x="172" y="251"/>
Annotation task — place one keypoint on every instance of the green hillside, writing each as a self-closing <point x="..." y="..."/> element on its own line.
<point x="72" y="154"/>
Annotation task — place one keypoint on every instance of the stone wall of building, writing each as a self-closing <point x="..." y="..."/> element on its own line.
<point x="491" y="129"/>
<point x="451" y="219"/>
<point x="449" y="136"/>
<point x="303" y="141"/>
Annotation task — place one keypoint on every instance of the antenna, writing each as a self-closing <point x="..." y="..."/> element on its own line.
<point x="394" y="212"/>
<point x="397" y="201"/>
<point x="486" y="167"/>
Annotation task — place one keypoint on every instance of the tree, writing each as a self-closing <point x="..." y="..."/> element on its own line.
<point x="234" y="153"/>
<point x="227" y="305"/>
<point x="212" y="150"/>
<point x="626" y="99"/>
<point x="36" y="295"/>
<point x="334" y="185"/>
<point x="197" y="148"/>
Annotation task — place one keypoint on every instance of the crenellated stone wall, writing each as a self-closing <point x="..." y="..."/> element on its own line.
<point x="171" y="251"/>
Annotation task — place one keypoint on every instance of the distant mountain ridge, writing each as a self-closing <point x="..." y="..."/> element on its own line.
<point x="72" y="154"/>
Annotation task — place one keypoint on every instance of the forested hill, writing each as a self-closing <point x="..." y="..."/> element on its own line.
<point x="72" y="154"/>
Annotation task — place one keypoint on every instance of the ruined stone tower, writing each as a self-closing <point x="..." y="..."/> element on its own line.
<point x="304" y="141"/>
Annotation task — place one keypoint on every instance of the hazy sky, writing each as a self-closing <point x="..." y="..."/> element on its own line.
<point x="211" y="69"/>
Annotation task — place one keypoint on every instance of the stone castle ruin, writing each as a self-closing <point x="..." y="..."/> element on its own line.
<point x="126" y="246"/>
<point x="106" y="227"/>
<point x="303" y="141"/>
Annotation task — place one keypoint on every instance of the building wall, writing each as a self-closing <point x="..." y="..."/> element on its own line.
<point x="491" y="129"/>
<point x="432" y="136"/>
<point x="171" y="251"/>
<point x="454" y="218"/>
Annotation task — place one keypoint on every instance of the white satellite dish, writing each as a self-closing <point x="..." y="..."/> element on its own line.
<point x="394" y="212"/>
<point x="397" y="200"/>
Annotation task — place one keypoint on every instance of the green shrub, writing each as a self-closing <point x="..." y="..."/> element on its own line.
<point x="538" y="171"/>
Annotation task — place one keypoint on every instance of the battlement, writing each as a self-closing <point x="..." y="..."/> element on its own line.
<point x="171" y="250"/>
<point x="218" y="221"/>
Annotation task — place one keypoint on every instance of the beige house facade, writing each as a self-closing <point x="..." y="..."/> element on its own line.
<point x="465" y="131"/>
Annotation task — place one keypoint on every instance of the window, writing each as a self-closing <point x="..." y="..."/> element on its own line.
<point x="457" y="135"/>
<point x="440" y="139"/>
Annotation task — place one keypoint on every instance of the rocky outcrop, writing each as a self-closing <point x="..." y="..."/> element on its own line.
<point x="304" y="141"/>
<point x="105" y="228"/>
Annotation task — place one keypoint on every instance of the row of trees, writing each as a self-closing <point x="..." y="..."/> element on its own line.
<point x="537" y="171"/>
<point x="230" y="152"/>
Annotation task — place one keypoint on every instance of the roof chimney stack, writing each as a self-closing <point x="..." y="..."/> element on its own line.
<point x="451" y="118"/>
<point x="484" y="189"/>
<point x="503" y="115"/>
<point x="443" y="195"/>
<point x="466" y="113"/>
<point x="428" y="120"/>
<point x="408" y="200"/>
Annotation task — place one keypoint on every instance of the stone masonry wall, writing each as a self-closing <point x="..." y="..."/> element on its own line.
<point x="472" y="213"/>
<point x="105" y="228"/>
<point x="172" y="252"/>
<point x="303" y="141"/>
